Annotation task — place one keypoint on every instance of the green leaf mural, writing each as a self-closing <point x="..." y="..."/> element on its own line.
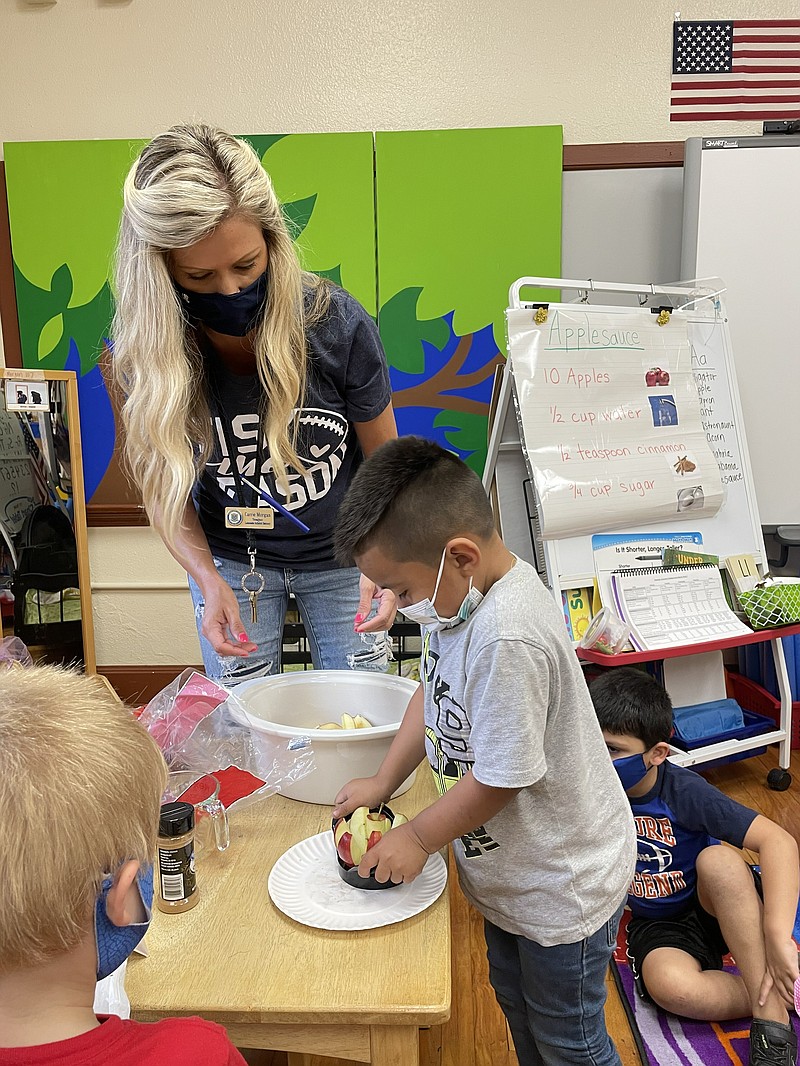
<point x="65" y="199"/>
<point x="52" y="332"/>
<point x="336" y="168"/>
<point x="466" y="434"/>
<point x="463" y="213"/>
<point x="402" y="332"/>
<point x="298" y="214"/>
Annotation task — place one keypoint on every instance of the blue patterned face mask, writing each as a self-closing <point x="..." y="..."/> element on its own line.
<point x="233" y="315"/>
<point x="631" y="770"/>
<point x="116" y="942"/>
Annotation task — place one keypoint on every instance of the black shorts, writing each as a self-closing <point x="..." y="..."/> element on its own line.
<point x="695" y="931"/>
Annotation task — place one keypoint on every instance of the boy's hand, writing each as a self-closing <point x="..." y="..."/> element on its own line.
<point x="360" y="792"/>
<point x="398" y="856"/>
<point x="782" y="970"/>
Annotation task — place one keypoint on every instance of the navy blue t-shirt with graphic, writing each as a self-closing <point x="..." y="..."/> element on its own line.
<point x="348" y="381"/>
<point x="680" y="816"/>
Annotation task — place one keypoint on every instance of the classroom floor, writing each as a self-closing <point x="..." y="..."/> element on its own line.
<point x="476" y="1033"/>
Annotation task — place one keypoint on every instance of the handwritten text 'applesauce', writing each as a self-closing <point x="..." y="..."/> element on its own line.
<point x="575" y="333"/>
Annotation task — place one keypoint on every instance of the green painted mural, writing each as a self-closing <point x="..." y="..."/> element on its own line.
<point x="460" y="215"/>
<point x="65" y="199"/>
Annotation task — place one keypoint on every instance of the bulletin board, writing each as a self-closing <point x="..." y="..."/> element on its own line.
<point x="589" y="383"/>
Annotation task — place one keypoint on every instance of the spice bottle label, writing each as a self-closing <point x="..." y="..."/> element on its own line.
<point x="176" y="871"/>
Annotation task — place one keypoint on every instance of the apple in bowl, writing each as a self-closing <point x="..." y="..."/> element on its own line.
<point x="354" y="835"/>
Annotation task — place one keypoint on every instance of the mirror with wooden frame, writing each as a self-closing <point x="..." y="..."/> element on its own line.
<point x="45" y="591"/>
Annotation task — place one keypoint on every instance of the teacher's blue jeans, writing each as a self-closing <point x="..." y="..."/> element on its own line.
<point x="327" y="601"/>
<point x="554" y="998"/>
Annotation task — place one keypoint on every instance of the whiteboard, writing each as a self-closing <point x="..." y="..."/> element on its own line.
<point x="734" y="529"/>
<point x="741" y="222"/>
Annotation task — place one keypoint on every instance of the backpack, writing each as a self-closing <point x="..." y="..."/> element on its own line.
<point x="47" y="565"/>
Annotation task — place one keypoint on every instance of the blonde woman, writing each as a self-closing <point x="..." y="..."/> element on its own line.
<point x="253" y="391"/>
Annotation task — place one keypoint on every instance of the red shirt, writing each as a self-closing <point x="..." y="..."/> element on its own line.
<point x="177" y="1041"/>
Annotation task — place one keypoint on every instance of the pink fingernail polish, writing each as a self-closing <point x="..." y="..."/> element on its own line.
<point x="359" y="618"/>
<point x="243" y="638"/>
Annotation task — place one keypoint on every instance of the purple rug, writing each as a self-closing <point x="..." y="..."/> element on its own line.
<point x="667" y="1040"/>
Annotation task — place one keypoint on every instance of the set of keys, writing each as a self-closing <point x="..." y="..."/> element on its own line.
<point x="253" y="585"/>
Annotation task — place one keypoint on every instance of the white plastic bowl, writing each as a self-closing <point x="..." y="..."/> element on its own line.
<point x="291" y="705"/>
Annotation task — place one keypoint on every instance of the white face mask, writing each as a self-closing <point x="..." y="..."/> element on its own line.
<point x="425" y="614"/>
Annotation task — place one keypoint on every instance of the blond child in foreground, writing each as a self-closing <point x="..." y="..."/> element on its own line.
<point x="80" y="791"/>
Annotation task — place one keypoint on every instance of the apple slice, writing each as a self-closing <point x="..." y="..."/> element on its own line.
<point x="361" y="722"/>
<point x="342" y="838"/>
<point x="359" y="834"/>
<point x="329" y="725"/>
<point x="399" y="819"/>
<point x="348" y="722"/>
<point x="379" y="822"/>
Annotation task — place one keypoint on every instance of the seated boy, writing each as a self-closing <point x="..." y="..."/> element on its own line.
<point x="692" y="898"/>
<point x="542" y="832"/>
<point x="80" y="790"/>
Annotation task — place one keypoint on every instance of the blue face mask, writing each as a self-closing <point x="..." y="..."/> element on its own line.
<point x="631" y="770"/>
<point x="233" y="315"/>
<point x="115" y="942"/>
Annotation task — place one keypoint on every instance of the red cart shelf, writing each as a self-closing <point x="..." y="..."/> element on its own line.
<point x="628" y="658"/>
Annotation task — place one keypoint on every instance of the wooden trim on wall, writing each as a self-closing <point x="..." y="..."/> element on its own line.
<point x="139" y="684"/>
<point x="8" y="292"/>
<point x="624" y="156"/>
<point x="112" y="514"/>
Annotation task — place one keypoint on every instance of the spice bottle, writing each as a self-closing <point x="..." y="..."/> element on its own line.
<point x="177" y="887"/>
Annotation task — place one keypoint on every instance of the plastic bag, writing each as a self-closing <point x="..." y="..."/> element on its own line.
<point x="110" y="996"/>
<point x="12" y="651"/>
<point x="192" y="722"/>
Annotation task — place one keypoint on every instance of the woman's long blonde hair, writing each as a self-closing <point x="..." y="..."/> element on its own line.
<point x="183" y="185"/>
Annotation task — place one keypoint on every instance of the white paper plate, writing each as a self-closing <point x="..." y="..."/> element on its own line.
<point x="305" y="884"/>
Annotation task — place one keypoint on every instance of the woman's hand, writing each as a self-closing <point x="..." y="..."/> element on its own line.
<point x="387" y="607"/>
<point x="222" y="622"/>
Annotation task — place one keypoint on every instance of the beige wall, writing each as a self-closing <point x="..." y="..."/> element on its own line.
<point x="123" y="68"/>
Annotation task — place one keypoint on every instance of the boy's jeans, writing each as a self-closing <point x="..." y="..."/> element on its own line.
<point x="553" y="998"/>
<point x="327" y="601"/>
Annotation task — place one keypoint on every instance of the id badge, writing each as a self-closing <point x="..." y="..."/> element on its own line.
<point x="249" y="518"/>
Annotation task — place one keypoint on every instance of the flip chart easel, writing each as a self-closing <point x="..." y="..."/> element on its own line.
<point x="615" y="347"/>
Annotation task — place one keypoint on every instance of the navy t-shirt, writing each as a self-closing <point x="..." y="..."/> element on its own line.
<point x="679" y="817"/>
<point x="348" y="381"/>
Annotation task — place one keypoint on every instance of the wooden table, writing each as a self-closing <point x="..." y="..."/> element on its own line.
<point x="237" y="960"/>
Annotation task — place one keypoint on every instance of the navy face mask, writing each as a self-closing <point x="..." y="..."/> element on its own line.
<point x="115" y="942"/>
<point x="233" y="315"/>
<point x="631" y="770"/>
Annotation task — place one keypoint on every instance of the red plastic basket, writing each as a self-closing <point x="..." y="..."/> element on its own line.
<point x="752" y="697"/>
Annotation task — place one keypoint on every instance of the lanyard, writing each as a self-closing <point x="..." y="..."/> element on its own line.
<point x="253" y="580"/>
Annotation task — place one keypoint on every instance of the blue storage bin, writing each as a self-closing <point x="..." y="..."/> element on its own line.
<point x="754" y="725"/>
<point x="755" y="662"/>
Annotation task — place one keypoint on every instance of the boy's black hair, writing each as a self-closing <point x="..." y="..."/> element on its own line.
<point x="631" y="703"/>
<point x="411" y="497"/>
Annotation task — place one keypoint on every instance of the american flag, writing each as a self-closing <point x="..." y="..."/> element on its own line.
<point x="742" y="69"/>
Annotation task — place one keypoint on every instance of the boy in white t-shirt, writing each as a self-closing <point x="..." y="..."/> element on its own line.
<point x="542" y="830"/>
